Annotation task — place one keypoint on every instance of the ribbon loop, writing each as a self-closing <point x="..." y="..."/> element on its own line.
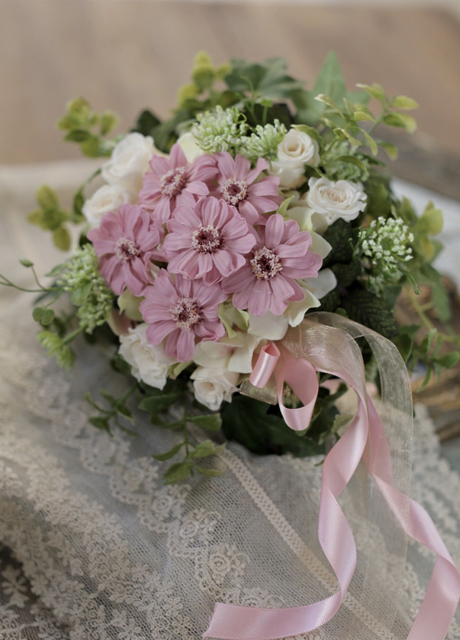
<point x="304" y="352"/>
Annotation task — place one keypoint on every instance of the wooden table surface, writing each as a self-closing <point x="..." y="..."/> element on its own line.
<point x="131" y="54"/>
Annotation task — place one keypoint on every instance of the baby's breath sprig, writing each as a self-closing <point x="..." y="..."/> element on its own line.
<point x="384" y="248"/>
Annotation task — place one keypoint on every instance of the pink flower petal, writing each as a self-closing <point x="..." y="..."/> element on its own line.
<point x="260" y="166"/>
<point x="157" y="332"/>
<point x="274" y="230"/>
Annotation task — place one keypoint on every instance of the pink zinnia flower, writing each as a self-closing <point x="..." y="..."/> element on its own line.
<point x="126" y="242"/>
<point x="173" y="181"/>
<point x="207" y="241"/>
<point x="238" y="186"/>
<point x="268" y="279"/>
<point x="180" y="311"/>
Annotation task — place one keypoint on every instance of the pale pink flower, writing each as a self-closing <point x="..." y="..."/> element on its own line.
<point x="268" y="279"/>
<point x="126" y="242"/>
<point x="181" y="311"/>
<point x="207" y="240"/>
<point x="238" y="186"/>
<point x="172" y="181"/>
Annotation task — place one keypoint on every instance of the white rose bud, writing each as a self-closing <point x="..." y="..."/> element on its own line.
<point x="149" y="363"/>
<point x="107" y="198"/>
<point x="297" y="146"/>
<point x="341" y="199"/>
<point x="295" y="151"/>
<point x="189" y="146"/>
<point x="291" y="174"/>
<point x="130" y="160"/>
<point x="213" y="386"/>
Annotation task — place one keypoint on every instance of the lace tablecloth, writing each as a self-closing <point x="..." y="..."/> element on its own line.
<point x="95" y="547"/>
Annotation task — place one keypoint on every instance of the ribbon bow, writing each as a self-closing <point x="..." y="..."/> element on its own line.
<point x="318" y="347"/>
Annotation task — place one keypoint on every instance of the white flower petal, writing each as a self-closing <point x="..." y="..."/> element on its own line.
<point x="268" y="326"/>
<point x="322" y="285"/>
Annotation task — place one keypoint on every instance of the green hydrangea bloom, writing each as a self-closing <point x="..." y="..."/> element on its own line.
<point x="263" y="142"/>
<point x="220" y="130"/>
<point x="87" y="287"/>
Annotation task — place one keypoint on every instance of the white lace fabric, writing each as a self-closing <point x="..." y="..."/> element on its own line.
<point x="96" y="547"/>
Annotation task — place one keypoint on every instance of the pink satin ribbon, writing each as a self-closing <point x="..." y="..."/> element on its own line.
<point x="232" y="622"/>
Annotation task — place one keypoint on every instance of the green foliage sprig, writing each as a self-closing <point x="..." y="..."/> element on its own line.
<point x="88" y="128"/>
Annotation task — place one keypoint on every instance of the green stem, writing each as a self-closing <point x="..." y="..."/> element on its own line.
<point x="128" y="393"/>
<point x="425" y="319"/>
<point x="72" y="335"/>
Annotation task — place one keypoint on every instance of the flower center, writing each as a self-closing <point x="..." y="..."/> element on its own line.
<point x="126" y="249"/>
<point x="265" y="264"/>
<point x="173" y="182"/>
<point x="335" y="195"/>
<point x="186" y="313"/>
<point x="206" y="239"/>
<point x="234" y="191"/>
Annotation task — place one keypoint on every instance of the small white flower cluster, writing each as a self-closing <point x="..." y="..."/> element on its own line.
<point x="219" y="130"/>
<point x="263" y="143"/>
<point x="82" y="274"/>
<point x="385" y="245"/>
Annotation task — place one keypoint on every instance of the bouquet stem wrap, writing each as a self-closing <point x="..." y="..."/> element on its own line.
<point x="326" y="343"/>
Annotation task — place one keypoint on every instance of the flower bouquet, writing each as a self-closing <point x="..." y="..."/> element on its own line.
<point x="244" y="259"/>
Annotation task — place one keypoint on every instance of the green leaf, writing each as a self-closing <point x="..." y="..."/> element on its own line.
<point x="100" y="423"/>
<point x="123" y="410"/>
<point x="431" y="221"/>
<point x="428" y="341"/>
<point x="268" y="80"/>
<point x="47" y="198"/>
<point x="400" y="120"/>
<point x="47" y="317"/>
<point x="80" y="294"/>
<point x="374" y="90"/>
<point x="209" y="422"/>
<point x="78" y="203"/>
<point x="449" y="360"/>
<point x="339" y="236"/>
<point x="362" y="116"/>
<point x="209" y="473"/>
<point x="405" y="345"/>
<point x="169" y="454"/>
<point x="61" y="238"/>
<point x="246" y="420"/>
<point x="346" y="274"/>
<point x="390" y="149"/>
<point x="146" y="122"/>
<point x="108" y="121"/>
<point x="78" y="135"/>
<point x="367" y="309"/>
<point x="159" y="402"/>
<point x="371" y="142"/>
<point x="206" y="448"/>
<point x="352" y="160"/>
<point x="403" y="102"/>
<point x="57" y="270"/>
<point x="37" y="313"/>
<point x="178" y="471"/>
<point x="26" y="263"/>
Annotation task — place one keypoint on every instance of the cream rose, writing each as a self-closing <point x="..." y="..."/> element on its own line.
<point x="130" y="160"/>
<point x="341" y="199"/>
<point x="297" y="146"/>
<point x="189" y="146"/>
<point x="291" y="174"/>
<point x="149" y="363"/>
<point x="213" y="386"/>
<point x="107" y="198"/>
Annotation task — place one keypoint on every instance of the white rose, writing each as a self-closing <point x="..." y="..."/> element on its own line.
<point x="298" y="147"/>
<point x="130" y="160"/>
<point x="107" y="198"/>
<point x="341" y="199"/>
<point x="149" y="363"/>
<point x="291" y="174"/>
<point x="211" y="355"/>
<point x="213" y="386"/>
<point x="189" y="146"/>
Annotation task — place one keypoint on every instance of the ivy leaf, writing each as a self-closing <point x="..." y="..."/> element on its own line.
<point x="367" y="309"/>
<point x="159" y="402"/>
<point x="268" y="80"/>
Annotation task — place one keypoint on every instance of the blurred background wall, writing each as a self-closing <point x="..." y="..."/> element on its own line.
<point x="130" y="54"/>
